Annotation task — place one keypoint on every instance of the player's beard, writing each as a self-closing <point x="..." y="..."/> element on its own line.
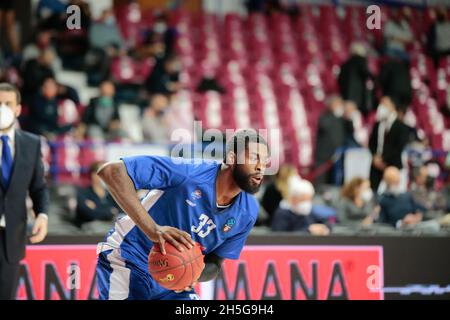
<point x="244" y="180"/>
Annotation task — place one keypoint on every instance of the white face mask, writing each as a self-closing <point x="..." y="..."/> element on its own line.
<point x="303" y="208"/>
<point x="395" y="190"/>
<point x="382" y="112"/>
<point x="367" y="195"/>
<point x="7" y="117"/>
<point x="338" y="112"/>
<point x="160" y="27"/>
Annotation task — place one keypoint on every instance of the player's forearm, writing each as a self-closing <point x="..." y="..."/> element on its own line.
<point x="209" y="273"/>
<point x="122" y="189"/>
<point x="213" y="264"/>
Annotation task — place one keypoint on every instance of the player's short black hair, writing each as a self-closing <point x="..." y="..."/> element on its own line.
<point x="6" y="87"/>
<point x="243" y="137"/>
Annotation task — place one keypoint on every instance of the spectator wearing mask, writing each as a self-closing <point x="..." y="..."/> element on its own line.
<point x="101" y="119"/>
<point x="333" y="132"/>
<point x="398" y="208"/>
<point x="423" y="190"/>
<point x="161" y="31"/>
<point x="387" y="141"/>
<point x="94" y="203"/>
<point x="164" y="78"/>
<point x="397" y="33"/>
<point x="355" y="207"/>
<point x="353" y="77"/>
<point x="154" y="124"/>
<point x="297" y="212"/>
<point x="106" y="43"/>
<point x="42" y="43"/>
<point x="438" y="39"/>
<point x="276" y="190"/>
<point x="44" y="113"/>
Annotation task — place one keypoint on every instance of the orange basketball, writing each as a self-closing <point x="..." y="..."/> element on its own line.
<point x="176" y="270"/>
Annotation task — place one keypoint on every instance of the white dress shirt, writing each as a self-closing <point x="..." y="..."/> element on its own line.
<point x="11" y="142"/>
<point x="383" y="128"/>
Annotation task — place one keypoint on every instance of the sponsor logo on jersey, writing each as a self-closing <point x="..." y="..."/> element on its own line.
<point x="196" y="194"/>
<point x="189" y="202"/>
<point x="228" y="225"/>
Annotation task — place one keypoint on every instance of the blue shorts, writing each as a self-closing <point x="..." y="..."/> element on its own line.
<point x="119" y="279"/>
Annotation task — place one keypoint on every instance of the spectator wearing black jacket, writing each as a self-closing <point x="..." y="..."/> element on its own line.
<point x="165" y="77"/>
<point x="387" y="141"/>
<point x="398" y="208"/>
<point x="44" y="116"/>
<point x="35" y="71"/>
<point x="353" y="78"/>
<point x="395" y="81"/>
<point x="94" y="203"/>
<point x="334" y="131"/>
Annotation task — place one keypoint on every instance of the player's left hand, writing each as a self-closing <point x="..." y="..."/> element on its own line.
<point x="189" y="288"/>
<point x="39" y="229"/>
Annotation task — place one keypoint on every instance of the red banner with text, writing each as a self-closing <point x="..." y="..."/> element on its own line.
<point x="262" y="272"/>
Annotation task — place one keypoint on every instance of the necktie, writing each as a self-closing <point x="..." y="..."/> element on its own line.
<point x="7" y="161"/>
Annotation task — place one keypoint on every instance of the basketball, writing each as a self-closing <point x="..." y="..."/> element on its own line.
<point x="175" y="270"/>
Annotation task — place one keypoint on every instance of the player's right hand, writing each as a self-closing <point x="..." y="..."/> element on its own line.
<point x="178" y="238"/>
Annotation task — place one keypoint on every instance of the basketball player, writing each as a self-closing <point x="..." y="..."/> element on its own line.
<point x="189" y="202"/>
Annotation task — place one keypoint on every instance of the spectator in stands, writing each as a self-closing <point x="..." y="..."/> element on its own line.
<point x="296" y="213"/>
<point x="44" y="111"/>
<point x="353" y="78"/>
<point x="397" y="33"/>
<point x="387" y="141"/>
<point x="424" y="193"/>
<point x="163" y="32"/>
<point x="355" y="207"/>
<point x="154" y="125"/>
<point x="73" y="44"/>
<point x="106" y="42"/>
<point x="51" y="14"/>
<point x="42" y="42"/>
<point x="8" y="25"/>
<point x="164" y="78"/>
<point x="395" y="81"/>
<point x="333" y="132"/>
<point x="105" y="34"/>
<point x="101" y="119"/>
<point x="94" y="202"/>
<point x="35" y="72"/>
<point x="276" y="190"/>
<point x="438" y="35"/>
<point x="209" y="82"/>
<point x="398" y="208"/>
<point x="68" y="93"/>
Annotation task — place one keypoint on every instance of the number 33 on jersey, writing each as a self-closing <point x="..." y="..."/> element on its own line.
<point x="200" y="230"/>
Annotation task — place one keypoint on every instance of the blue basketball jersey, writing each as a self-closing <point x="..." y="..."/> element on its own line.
<point x="182" y="195"/>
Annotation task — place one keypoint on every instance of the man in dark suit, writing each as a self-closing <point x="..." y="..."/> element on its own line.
<point x="387" y="141"/>
<point x="334" y="131"/>
<point x="22" y="172"/>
